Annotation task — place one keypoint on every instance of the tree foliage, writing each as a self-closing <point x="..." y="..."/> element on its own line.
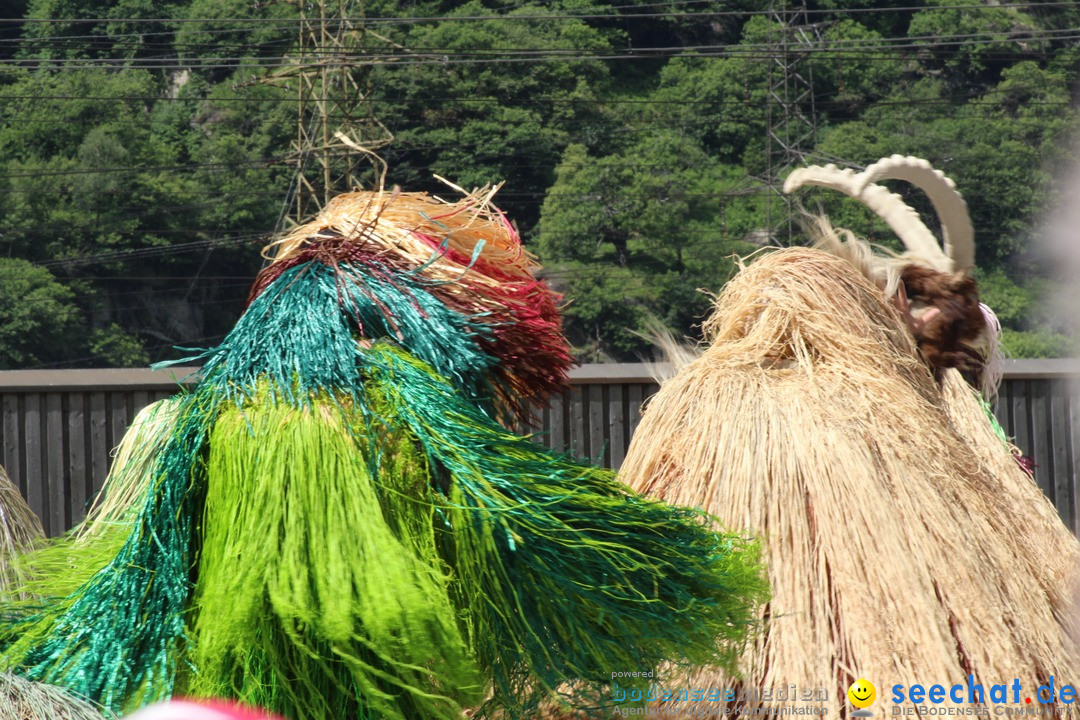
<point x="37" y="315"/>
<point x="146" y="148"/>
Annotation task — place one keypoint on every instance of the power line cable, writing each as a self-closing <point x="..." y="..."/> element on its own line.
<point x="146" y="168"/>
<point x="436" y="101"/>
<point x="294" y="21"/>
<point x="879" y="49"/>
<point x="398" y="20"/>
<point x="118" y="255"/>
<point x="413" y="48"/>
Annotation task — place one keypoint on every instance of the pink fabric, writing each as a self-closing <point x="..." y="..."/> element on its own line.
<point x="201" y="710"/>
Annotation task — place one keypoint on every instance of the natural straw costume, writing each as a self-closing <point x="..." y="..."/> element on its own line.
<point x="25" y="700"/>
<point x="904" y="542"/>
<point x="20" y="699"/>
<point x="20" y="528"/>
<point x="335" y="525"/>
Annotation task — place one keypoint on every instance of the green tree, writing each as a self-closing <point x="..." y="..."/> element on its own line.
<point x="635" y="235"/>
<point x="38" y="316"/>
<point x="490" y="111"/>
<point x="116" y="37"/>
<point x="971" y="43"/>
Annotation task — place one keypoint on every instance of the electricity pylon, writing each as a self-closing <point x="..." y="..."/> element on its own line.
<point x="790" y="117"/>
<point x="337" y="132"/>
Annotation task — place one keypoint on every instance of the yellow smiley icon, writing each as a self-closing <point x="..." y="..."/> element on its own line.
<point x="862" y="693"/>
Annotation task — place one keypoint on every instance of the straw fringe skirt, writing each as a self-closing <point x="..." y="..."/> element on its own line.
<point x="904" y="543"/>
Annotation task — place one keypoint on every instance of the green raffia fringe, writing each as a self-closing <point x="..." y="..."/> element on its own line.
<point x="989" y="410"/>
<point x="319" y="595"/>
<point x="575" y="574"/>
<point x="336" y="531"/>
<point x="405" y="310"/>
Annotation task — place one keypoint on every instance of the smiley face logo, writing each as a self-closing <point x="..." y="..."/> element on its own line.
<point x="862" y="693"/>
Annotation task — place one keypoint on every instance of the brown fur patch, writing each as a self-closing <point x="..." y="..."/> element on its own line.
<point x="945" y="340"/>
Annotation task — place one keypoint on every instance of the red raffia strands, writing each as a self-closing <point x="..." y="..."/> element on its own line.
<point x="475" y="264"/>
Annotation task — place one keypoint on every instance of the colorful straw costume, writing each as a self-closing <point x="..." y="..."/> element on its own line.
<point x="336" y="526"/>
<point x="904" y="542"/>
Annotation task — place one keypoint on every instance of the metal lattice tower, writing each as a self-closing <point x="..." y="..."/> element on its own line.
<point x="336" y="129"/>
<point x="790" y="117"/>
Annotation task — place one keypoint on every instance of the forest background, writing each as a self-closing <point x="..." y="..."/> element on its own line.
<point x="148" y="149"/>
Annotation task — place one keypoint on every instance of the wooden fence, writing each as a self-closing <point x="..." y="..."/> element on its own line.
<point x="58" y="427"/>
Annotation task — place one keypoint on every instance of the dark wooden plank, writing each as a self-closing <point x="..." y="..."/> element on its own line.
<point x="617" y="421"/>
<point x="577" y="440"/>
<point x="596" y="405"/>
<point x="649" y="390"/>
<point x="1021" y="411"/>
<point x="79" y="461"/>
<point x="1060" y="446"/>
<point x="537" y="428"/>
<point x="1008" y="390"/>
<point x="118" y="419"/>
<point x="634" y="398"/>
<point x="557" y="424"/>
<point x="614" y="373"/>
<point x="121" y="380"/>
<point x="1074" y="455"/>
<point x="139" y="400"/>
<point x="13" y="447"/>
<point x="1001" y="406"/>
<point x="33" y="468"/>
<point x="99" y="441"/>
<point x="1043" y="368"/>
<point x="55" y="466"/>
<point x="1040" y="436"/>
<point x="544" y="438"/>
<point x="160" y="395"/>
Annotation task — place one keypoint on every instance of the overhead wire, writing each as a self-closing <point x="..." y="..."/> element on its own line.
<point x="878" y="52"/>
<point x="836" y="47"/>
<point x="405" y="20"/>
<point x="176" y="43"/>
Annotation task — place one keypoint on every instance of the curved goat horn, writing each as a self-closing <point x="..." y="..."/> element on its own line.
<point x="903" y="220"/>
<point x="956" y="229"/>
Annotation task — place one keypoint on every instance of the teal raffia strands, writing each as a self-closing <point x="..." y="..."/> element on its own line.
<point x="401" y="307"/>
<point x="299" y="333"/>
<point x="117" y="638"/>
<point x="296" y="335"/>
<point x="565" y="572"/>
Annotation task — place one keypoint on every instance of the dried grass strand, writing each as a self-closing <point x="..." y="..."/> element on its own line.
<point x="131" y="472"/>
<point x="25" y="700"/>
<point x="417" y="226"/>
<point x="20" y="529"/>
